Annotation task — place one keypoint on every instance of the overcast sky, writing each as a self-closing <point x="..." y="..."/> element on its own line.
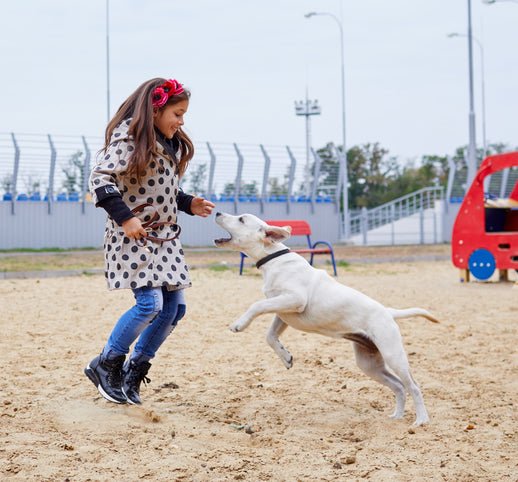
<point x="247" y="61"/>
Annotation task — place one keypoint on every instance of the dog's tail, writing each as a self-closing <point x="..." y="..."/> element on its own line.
<point x="409" y="312"/>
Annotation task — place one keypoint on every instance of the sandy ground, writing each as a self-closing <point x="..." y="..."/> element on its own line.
<point x="221" y="406"/>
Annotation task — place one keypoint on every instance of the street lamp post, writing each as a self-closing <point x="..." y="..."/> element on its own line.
<point x="472" y="146"/>
<point x="490" y="2"/>
<point x="483" y="90"/>
<point x="345" y="179"/>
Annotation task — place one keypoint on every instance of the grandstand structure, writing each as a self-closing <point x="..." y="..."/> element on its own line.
<point x="44" y="190"/>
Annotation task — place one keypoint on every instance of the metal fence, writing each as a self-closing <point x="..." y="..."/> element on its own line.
<point x="55" y="168"/>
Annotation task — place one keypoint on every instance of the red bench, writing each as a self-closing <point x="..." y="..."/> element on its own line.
<point x="300" y="228"/>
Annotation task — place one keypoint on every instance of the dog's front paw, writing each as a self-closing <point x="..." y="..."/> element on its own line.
<point x="236" y="327"/>
<point x="239" y="325"/>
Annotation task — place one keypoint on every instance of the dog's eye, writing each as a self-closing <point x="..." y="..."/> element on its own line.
<point x="241" y="220"/>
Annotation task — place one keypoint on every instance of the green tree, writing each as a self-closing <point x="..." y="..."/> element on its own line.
<point x="197" y="179"/>
<point x="74" y="173"/>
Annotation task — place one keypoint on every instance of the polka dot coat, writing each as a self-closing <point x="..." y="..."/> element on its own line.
<point x="129" y="265"/>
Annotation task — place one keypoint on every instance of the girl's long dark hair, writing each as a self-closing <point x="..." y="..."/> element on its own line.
<point x="138" y="106"/>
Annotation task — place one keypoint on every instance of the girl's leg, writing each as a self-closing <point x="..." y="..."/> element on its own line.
<point x="173" y="310"/>
<point x="137" y="367"/>
<point x="149" y="302"/>
<point x="106" y="370"/>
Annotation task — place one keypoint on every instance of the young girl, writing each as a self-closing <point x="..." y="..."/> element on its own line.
<point x="146" y="152"/>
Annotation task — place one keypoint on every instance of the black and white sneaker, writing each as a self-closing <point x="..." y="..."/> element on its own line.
<point x="134" y="374"/>
<point x="106" y="375"/>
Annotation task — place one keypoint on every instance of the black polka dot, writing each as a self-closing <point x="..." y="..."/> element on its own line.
<point x="181" y="251"/>
<point x="126" y="240"/>
<point x="134" y="249"/>
<point x="167" y="190"/>
<point x="118" y="266"/>
<point x="112" y="275"/>
<point x="151" y="182"/>
<point x="118" y="151"/>
<point x="173" y="267"/>
<point x="152" y="165"/>
<point x="149" y="284"/>
<point x="143" y="257"/>
<point x="114" y="239"/>
<point x="159" y="267"/>
<point x="130" y="148"/>
<point x="111" y="165"/>
<point x="132" y="199"/>
<point x="106" y="157"/>
<point x="155" y="277"/>
<point x="97" y="181"/>
<point x="125" y="275"/>
<point x="177" y="259"/>
<point x="160" y="199"/>
<point x="134" y="265"/>
<point x="122" y="162"/>
<point x="182" y="276"/>
<point x="125" y="257"/>
<point x="117" y="284"/>
<point x="166" y="209"/>
<point x="164" y="259"/>
<point x="149" y="200"/>
<point x="161" y="180"/>
<point x="114" y="257"/>
<point x="142" y="190"/>
<point x="142" y="275"/>
<point x="133" y="284"/>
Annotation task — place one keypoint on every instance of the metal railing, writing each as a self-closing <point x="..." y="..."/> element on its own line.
<point x="389" y="213"/>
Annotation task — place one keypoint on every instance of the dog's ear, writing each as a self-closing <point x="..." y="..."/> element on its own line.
<point x="276" y="234"/>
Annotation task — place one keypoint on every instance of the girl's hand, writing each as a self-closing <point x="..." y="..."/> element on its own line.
<point x="202" y="207"/>
<point x="133" y="228"/>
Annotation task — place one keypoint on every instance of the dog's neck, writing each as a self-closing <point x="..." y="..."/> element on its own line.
<point x="260" y="252"/>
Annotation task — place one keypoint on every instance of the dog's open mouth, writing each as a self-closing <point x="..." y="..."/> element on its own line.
<point x="222" y="240"/>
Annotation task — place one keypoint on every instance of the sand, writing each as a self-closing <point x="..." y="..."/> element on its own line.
<point x="221" y="406"/>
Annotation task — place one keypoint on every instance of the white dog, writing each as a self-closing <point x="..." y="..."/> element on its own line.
<point x="310" y="300"/>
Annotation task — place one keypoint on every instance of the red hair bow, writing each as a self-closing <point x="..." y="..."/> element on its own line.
<point x="161" y="94"/>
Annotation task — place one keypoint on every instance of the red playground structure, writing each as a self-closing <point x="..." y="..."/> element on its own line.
<point x="486" y="238"/>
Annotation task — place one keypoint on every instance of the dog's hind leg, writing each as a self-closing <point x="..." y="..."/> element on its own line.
<point x="370" y="361"/>
<point x="272" y="338"/>
<point x="391" y="348"/>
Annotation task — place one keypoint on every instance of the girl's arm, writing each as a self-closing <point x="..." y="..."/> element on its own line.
<point x="105" y="182"/>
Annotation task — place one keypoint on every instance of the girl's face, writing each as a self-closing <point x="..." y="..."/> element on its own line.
<point x="170" y="119"/>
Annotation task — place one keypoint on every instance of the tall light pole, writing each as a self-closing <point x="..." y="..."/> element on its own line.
<point x="472" y="146"/>
<point x="108" y="60"/>
<point x="483" y="90"/>
<point x="307" y="108"/>
<point x="345" y="179"/>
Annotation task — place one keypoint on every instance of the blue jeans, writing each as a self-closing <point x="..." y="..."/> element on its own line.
<point x="154" y="316"/>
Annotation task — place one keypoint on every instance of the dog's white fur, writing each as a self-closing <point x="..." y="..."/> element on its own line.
<point x="310" y="300"/>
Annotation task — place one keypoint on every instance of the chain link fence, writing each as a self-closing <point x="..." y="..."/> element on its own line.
<point x="36" y="167"/>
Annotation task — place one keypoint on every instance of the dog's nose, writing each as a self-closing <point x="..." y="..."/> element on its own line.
<point x="218" y="214"/>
